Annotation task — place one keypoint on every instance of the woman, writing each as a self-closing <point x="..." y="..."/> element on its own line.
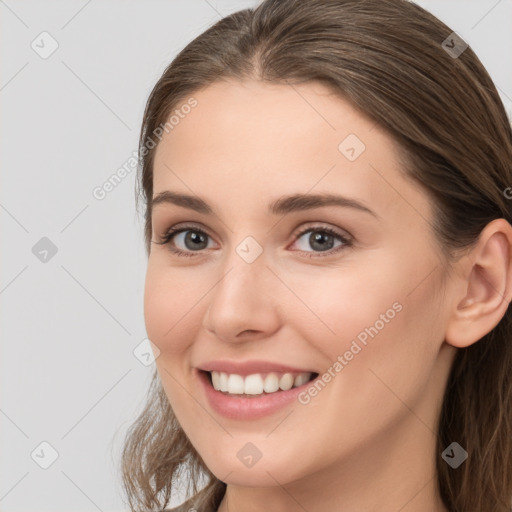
<point x="329" y="269"/>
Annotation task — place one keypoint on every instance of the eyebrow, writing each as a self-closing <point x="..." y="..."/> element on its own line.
<point x="281" y="206"/>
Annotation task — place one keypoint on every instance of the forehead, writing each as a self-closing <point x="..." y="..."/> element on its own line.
<point x="251" y="115"/>
<point x="266" y="139"/>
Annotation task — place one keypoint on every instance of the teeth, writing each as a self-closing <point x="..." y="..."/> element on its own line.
<point x="301" y="379"/>
<point x="286" y="381"/>
<point x="257" y="383"/>
<point x="223" y="381"/>
<point x="253" y="385"/>
<point x="215" y="379"/>
<point x="235" y="384"/>
<point x="271" y="383"/>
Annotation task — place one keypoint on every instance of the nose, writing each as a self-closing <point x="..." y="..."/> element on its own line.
<point x="241" y="304"/>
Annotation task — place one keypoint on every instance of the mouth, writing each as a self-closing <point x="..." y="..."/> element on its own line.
<point x="253" y="395"/>
<point x="256" y="384"/>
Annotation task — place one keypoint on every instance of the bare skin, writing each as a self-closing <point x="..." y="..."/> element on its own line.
<point x="366" y="441"/>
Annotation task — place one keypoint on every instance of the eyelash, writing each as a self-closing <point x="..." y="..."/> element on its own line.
<point x="171" y="233"/>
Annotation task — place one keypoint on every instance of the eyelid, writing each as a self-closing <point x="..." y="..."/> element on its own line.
<point x="180" y="227"/>
<point x="300" y="230"/>
<point x="318" y="226"/>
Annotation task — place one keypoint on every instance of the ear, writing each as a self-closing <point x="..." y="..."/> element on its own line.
<point x="483" y="286"/>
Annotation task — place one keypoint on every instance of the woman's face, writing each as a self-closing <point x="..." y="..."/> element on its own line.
<point x="263" y="289"/>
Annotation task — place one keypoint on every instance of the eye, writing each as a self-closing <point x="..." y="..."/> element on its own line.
<point x="321" y="239"/>
<point x="194" y="240"/>
<point x="191" y="237"/>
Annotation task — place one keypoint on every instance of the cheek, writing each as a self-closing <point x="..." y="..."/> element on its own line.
<point x="379" y="316"/>
<point x="392" y="328"/>
<point x="339" y="306"/>
<point x="169" y="302"/>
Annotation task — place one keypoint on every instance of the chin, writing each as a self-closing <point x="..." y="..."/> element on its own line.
<point x="262" y="474"/>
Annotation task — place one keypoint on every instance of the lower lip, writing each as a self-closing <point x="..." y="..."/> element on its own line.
<point x="247" y="408"/>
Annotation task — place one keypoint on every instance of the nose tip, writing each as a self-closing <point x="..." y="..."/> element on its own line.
<point x="240" y="307"/>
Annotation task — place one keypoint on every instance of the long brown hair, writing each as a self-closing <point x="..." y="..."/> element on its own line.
<point x="390" y="59"/>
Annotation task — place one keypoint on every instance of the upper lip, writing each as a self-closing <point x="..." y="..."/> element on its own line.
<point x="245" y="368"/>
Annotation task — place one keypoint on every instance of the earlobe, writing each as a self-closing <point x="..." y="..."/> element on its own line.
<point x="486" y="283"/>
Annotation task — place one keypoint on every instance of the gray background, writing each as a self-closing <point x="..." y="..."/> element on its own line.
<point x="70" y="323"/>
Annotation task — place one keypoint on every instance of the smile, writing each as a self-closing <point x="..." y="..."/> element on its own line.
<point x="257" y="383"/>
<point x="238" y="404"/>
